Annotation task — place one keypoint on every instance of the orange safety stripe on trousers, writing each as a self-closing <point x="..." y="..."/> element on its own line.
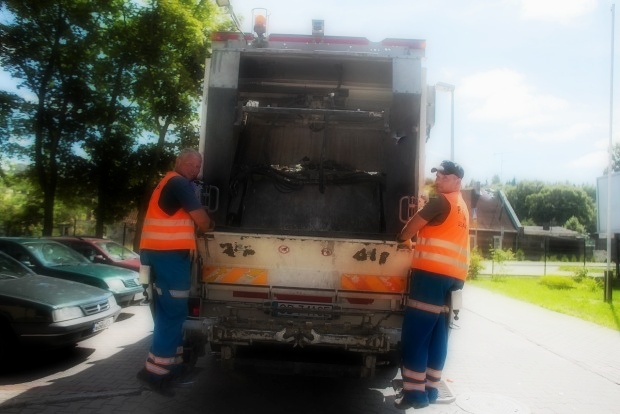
<point x="373" y="283"/>
<point x="166" y="360"/>
<point x="156" y="369"/>
<point x="433" y="378"/>
<point x="428" y="307"/>
<point x="234" y="275"/>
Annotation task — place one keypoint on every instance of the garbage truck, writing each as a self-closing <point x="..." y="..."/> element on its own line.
<point x="313" y="151"/>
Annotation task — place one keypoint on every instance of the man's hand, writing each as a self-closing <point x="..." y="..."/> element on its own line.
<point x="202" y="220"/>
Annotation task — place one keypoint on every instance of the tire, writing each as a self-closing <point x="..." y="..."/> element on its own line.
<point x="8" y="340"/>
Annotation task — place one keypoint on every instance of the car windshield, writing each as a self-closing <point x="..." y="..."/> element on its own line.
<point x="10" y="269"/>
<point x="117" y="251"/>
<point x="55" y="254"/>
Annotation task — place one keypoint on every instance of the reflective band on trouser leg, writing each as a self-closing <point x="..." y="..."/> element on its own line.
<point x="428" y="307"/>
<point x="160" y="366"/>
<point x="433" y="377"/>
<point x="174" y="293"/>
<point x="413" y="381"/>
<point x="179" y="293"/>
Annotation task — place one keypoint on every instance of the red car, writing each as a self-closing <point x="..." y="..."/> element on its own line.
<point x="104" y="251"/>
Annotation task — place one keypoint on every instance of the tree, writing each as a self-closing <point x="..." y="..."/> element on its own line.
<point x="615" y="158"/>
<point x="519" y="193"/>
<point x="559" y="203"/>
<point x="104" y="74"/>
<point x="537" y="203"/>
<point x="171" y="44"/>
<point x="10" y="115"/>
<point x="574" y="224"/>
<point x="20" y="207"/>
<point x="46" y="44"/>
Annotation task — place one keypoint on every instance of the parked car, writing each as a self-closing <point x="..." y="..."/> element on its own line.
<point x="100" y="250"/>
<point x="46" y="311"/>
<point x="50" y="258"/>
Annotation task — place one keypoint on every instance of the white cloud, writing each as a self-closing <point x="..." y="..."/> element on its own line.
<point x="502" y="95"/>
<point x="596" y="159"/>
<point x="560" y="11"/>
<point x="564" y="134"/>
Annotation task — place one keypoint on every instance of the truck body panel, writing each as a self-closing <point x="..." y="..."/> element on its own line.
<point x="313" y="158"/>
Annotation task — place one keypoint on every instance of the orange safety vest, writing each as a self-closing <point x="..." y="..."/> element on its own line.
<point x="444" y="249"/>
<point x="164" y="232"/>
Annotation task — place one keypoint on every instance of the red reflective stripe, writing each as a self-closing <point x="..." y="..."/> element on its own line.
<point x="420" y="376"/>
<point x="164" y="361"/>
<point x="156" y="369"/>
<point x="433" y="373"/>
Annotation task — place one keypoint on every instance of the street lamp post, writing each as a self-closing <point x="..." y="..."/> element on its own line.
<point x="446" y="87"/>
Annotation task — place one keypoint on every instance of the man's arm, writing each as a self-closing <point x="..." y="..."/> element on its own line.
<point x="411" y="228"/>
<point x="202" y="220"/>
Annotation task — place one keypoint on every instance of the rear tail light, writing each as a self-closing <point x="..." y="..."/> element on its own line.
<point x="193" y="305"/>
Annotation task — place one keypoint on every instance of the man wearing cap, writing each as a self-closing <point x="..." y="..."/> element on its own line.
<point x="439" y="266"/>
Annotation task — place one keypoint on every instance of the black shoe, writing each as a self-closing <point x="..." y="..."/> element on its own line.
<point x="401" y="403"/>
<point x="160" y="386"/>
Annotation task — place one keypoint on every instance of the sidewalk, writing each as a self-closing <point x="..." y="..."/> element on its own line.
<point x="505" y="356"/>
<point x="518" y="355"/>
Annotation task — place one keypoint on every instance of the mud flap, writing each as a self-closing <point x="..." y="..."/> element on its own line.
<point x="446" y="396"/>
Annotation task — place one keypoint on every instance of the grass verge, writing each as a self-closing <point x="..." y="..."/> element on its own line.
<point x="583" y="299"/>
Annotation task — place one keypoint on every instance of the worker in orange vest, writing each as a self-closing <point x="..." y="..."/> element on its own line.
<point x="439" y="266"/>
<point x="167" y="245"/>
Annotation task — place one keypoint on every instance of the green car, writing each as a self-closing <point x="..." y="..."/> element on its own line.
<point x="45" y="311"/>
<point x="50" y="258"/>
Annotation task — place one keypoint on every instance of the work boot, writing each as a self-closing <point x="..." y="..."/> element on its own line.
<point x="161" y="386"/>
<point x="402" y="403"/>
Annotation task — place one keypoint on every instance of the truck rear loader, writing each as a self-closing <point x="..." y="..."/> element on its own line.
<point x="313" y="160"/>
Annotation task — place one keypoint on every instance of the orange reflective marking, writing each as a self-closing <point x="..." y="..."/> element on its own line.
<point x="234" y="275"/>
<point x="373" y="283"/>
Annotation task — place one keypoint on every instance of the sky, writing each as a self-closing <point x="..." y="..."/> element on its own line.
<point x="532" y="78"/>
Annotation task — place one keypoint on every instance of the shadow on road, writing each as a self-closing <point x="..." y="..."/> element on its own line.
<point x="109" y="384"/>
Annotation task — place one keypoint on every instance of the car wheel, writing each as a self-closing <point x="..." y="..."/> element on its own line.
<point x="8" y="340"/>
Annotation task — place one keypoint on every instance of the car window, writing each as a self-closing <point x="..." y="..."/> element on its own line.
<point x="86" y="251"/>
<point x="117" y="251"/>
<point x="55" y="254"/>
<point x="9" y="269"/>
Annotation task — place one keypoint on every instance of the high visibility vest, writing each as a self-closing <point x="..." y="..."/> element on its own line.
<point x="164" y="232"/>
<point x="444" y="248"/>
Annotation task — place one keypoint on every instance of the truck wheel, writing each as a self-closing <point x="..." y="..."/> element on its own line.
<point x="192" y="350"/>
<point x="369" y="366"/>
<point x="228" y="356"/>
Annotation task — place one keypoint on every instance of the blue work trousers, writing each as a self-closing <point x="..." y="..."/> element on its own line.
<point x="170" y="273"/>
<point x="424" y="341"/>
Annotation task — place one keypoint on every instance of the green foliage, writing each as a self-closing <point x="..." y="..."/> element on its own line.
<point x="583" y="301"/>
<point x="475" y="264"/>
<point x="20" y="208"/>
<point x="615" y="159"/>
<point x="101" y="77"/>
<point x="538" y="203"/>
<point x="557" y="282"/>
<point x="580" y="274"/>
<point x="520" y="255"/>
<point x="500" y="256"/>
<point x="574" y="224"/>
